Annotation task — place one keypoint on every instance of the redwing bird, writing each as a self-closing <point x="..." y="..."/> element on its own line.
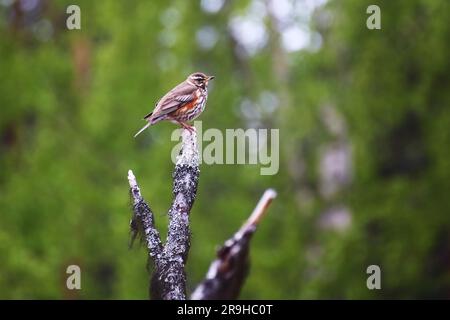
<point x="183" y="103"/>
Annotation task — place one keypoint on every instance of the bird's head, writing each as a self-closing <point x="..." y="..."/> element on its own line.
<point x="199" y="79"/>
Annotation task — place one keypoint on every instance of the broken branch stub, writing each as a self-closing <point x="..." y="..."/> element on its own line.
<point x="227" y="273"/>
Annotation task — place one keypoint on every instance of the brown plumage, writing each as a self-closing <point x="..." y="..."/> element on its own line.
<point x="183" y="103"/>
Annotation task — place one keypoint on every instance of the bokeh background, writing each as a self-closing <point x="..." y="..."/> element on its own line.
<point x="364" y="125"/>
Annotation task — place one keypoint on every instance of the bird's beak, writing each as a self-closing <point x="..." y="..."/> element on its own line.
<point x="210" y="78"/>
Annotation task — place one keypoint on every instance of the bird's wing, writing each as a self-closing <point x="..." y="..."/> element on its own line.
<point x="176" y="98"/>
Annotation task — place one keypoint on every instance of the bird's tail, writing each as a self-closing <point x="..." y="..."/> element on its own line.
<point x="145" y="127"/>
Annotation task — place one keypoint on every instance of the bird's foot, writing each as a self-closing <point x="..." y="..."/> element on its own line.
<point x="191" y="129"/>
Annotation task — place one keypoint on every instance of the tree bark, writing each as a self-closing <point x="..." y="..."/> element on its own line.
<point x="169" y="278"/>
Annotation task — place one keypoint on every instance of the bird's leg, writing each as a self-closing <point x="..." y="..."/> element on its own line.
<point x="191" y="129"/>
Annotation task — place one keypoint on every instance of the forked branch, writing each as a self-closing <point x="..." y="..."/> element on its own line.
<point x="228" y="271"/>
<point x="169" y="278"/>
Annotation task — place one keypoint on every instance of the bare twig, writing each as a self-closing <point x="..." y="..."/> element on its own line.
<point x="259" y="211"/>
<point x="227" y="273"/>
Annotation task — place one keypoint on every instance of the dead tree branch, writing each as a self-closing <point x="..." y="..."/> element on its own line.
<point x="143" y="219"/>
<point x="227" y="273"/>
<point x="169" y="278"/>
